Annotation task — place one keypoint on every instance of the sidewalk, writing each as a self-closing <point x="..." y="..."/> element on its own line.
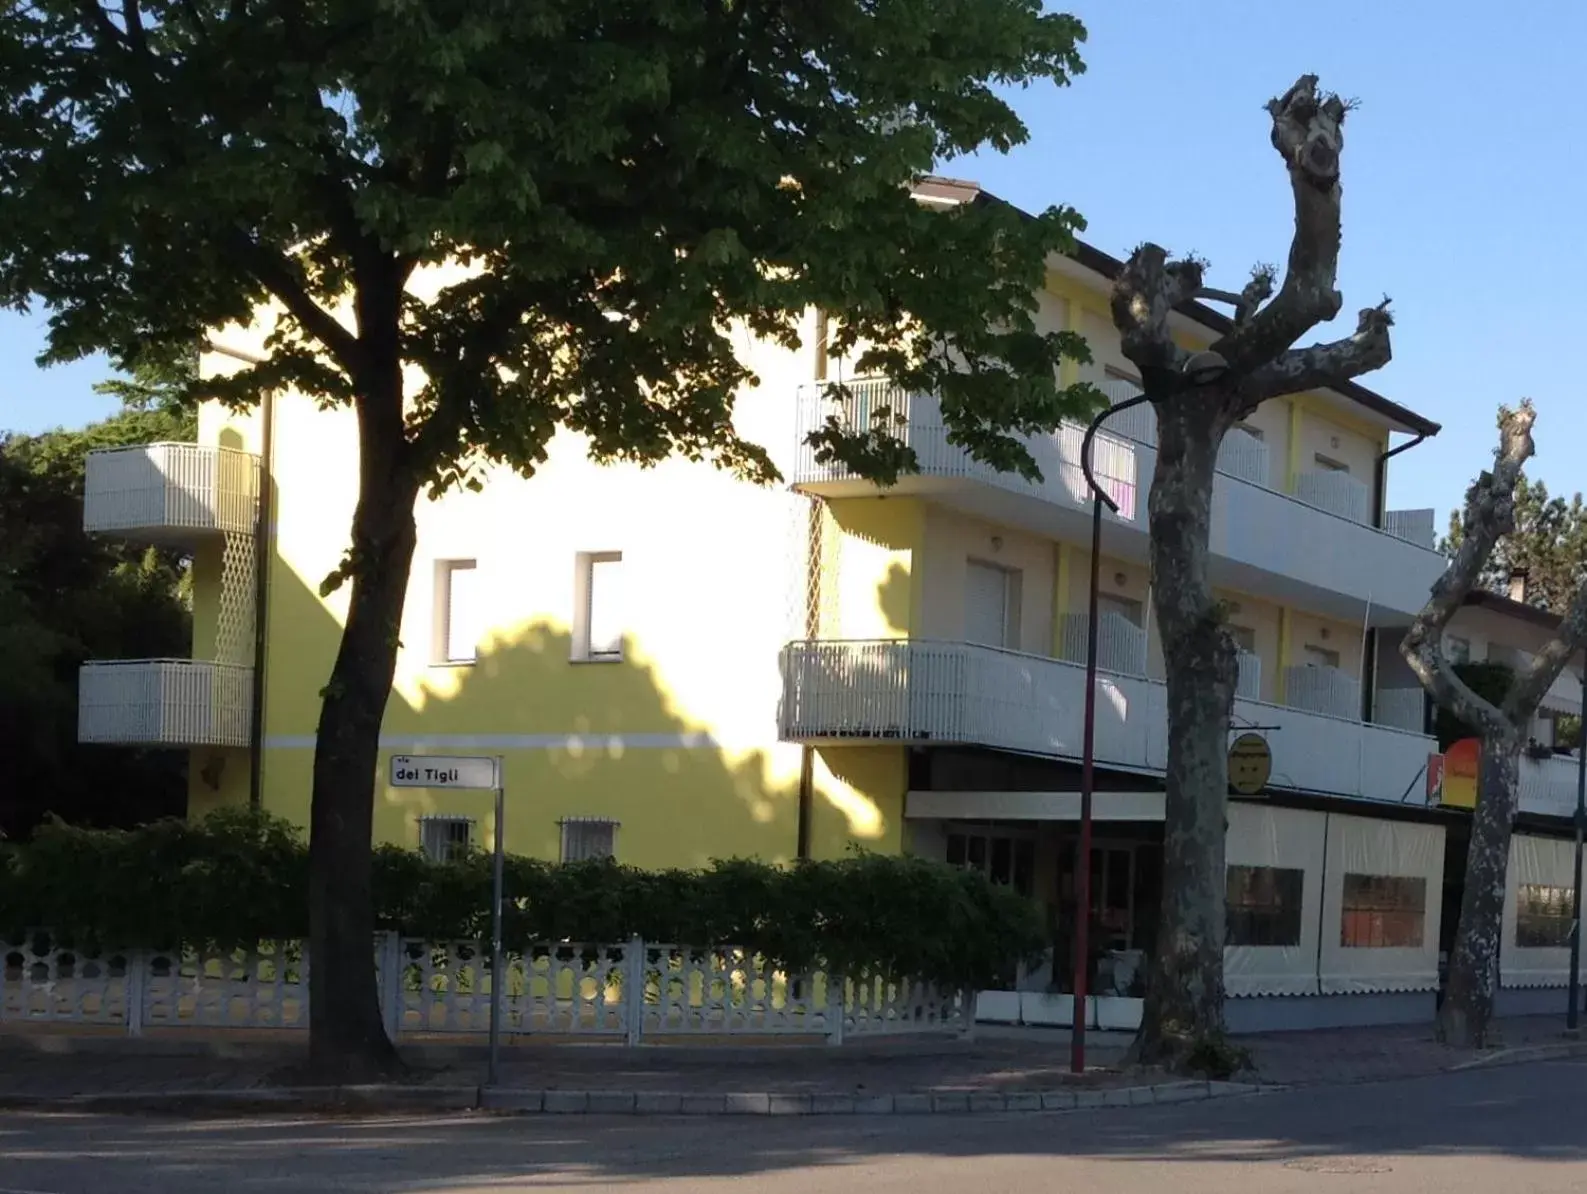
<point x="1002" y="1069"/>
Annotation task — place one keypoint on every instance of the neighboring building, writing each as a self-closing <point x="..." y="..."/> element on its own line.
<point x="677" y="666"/>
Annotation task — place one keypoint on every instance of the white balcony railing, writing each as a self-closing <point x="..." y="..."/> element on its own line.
<point x="1243" y="455"/>
<point x="1402" y="708"/>
<point x="165" y="702"/>
<point x="1548" y="786"/>
<point x="1121" y="644"/>
<point x="958" y="693"/>
<point x="1325" y="690"/>
<point x="1414" y="526"/>
<point x="1249" y="684"/>
<point x="171" y="491"/>
<point x="1336" y="492"/>
<point x="1139" y="423"/>
<point x="916" y="420"/>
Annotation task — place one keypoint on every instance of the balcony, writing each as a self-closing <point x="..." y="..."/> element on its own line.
<point x="1548" y="786"/>
<point x="1315" y="549"/>
<point x="165" y="702"/>
<point x="1325" y="690"/>
<point x="947" y="693"/>
<point x="1121" y="644"/>
<point x="171" y="493"/>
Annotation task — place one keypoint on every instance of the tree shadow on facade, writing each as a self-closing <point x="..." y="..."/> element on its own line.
<point x="606" y="741"/>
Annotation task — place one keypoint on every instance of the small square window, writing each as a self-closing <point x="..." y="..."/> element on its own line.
<point x="600" y="615"/>
<point x="1328" y="464"/>
<point x="1255" y="433"/>
<point x="1321" y="657"/>
<point x="586" y="838"/>
<point x="456" y="626"/>
<point x="445" y="839"/>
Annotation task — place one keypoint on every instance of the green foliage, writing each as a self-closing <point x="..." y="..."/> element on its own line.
<point x="629" y="185"/>
<point x="1488" y="679"/>
<point x="66" y="597"/>
<point x="239" y="877"/>
<point x="1216" y="1057"/>
<point x="1549" y="542"/>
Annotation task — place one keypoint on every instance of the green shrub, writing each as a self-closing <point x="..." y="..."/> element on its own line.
<point x="237" y="878"/>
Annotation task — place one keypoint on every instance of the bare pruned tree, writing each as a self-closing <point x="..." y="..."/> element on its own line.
<point x="1198" y="398"/>
<point x="1465" y="1015"/>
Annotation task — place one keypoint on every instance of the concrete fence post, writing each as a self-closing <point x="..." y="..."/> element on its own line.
<point x="837" y="1009"/>
<point x="390" y="972"/>
<point x="634" y="991"/>
<point x="137" y="977"/>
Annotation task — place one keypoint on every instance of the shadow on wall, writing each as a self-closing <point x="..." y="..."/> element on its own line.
<point x="596" y="740"/>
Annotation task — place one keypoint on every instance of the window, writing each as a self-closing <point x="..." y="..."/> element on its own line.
<point x="1244" y="638"/>
<point x="456" y="611"/>
<point x="587" y="838"/>
<point x="1321" y="657"/>
<point x="600" y="612"/>
<point x="1329" y="465"/>
<point x="1542" y="917"/>
<point x="1124" y="607"/>
<point x="444" y="839"/>
<point x="1458" y="649"/>
<point x="1006" y="861"/>
<point x="1383" y="912"/>
<point x="1263" y="905"/>
<point x="991" y="605"/>
<point x="1254" y="432"/>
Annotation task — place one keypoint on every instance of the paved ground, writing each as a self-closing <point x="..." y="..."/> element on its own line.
<point x="998" y="1060"/>
<point x="1517" y="1128"/>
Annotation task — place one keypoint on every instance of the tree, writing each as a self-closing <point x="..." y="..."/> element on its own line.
<point x="1548" y="544"/>
<point x="66" y="597"/>
<point x="624" y="185"/>
<point x="1490" y="513"/>
<point x="1197" y="401"/>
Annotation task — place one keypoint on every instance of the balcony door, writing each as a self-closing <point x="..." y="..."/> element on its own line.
<point x="991" y="605"/>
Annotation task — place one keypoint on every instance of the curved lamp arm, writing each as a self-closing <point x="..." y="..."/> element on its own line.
<point x="1085" y="447"/>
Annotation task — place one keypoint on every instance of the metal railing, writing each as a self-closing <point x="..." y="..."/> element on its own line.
<point x="1121" y="644"/>
<point x="1244" y="456"/>
<point x="168" y="487"/>
<point x="1249" y="685"/>
<point x="1413" y="526"/>
<point x="165" y="702"/>
<point x="1336" y="492"/>
<point x="1325" y="690"/>
<point x="1401" y="708"/>
<point x="916" y="421"/>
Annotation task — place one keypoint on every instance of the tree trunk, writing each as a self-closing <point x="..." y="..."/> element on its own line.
<point x="347" y="1038"/>
<point x="1183" y="1014"/>
<point x="1463" y="1018"/>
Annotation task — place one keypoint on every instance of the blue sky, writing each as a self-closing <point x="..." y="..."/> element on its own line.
<point x="1464" y="195"/>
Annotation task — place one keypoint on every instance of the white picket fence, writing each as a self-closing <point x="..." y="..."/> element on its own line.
<point x="568" y="990"/>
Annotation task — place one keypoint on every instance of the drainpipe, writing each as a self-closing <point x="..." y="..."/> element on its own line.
<point x="261" y="597"/>
<point x="807" y="754"/>
<point x="1380" y="479"/>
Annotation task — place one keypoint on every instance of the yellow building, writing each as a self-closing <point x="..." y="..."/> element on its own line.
<point x="677" y="666"/>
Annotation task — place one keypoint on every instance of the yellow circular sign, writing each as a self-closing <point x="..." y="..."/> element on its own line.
<point x="1250" y="764"/>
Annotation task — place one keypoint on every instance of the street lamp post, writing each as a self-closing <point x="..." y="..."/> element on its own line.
<point x="1200" y="369"/>
<point x="1573" y="1012"/>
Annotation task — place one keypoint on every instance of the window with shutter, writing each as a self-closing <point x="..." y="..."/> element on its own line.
<point x="445" y="838"/>
<point x="606" y="620"/>
<point x="991" y="605"/>
<point x="587" y="838"/>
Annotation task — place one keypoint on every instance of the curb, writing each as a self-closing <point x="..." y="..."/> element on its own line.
<point x="1524" y="1053"/>
<point x="516" y="1101"/>
<point x="611" y="1102"/>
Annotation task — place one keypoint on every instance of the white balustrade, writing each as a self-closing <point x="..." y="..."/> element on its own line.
<point x="1121" y="644"/>
<point x="165" y="702"/>
<point x="1244" y="456"/>
<point x="634" y="991"/>
<point x="170" y="491"/>
<point x="1413" y="526"/>
<point x="916" y="421"/>
<point x="1139" y="423"/>
<point x="1249" y="684"/>
<point x="961" y="693"/>
<point x="1325" y="690"/>
<point x="1336" y="492"/>
<point x="1548" y="785"/>
<point x="1402" y="708"/>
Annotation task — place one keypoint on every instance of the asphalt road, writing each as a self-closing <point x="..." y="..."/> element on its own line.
<point x="1519" y="1128"/>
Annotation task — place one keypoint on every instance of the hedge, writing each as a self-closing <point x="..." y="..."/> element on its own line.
<point x="238" y="878"/>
